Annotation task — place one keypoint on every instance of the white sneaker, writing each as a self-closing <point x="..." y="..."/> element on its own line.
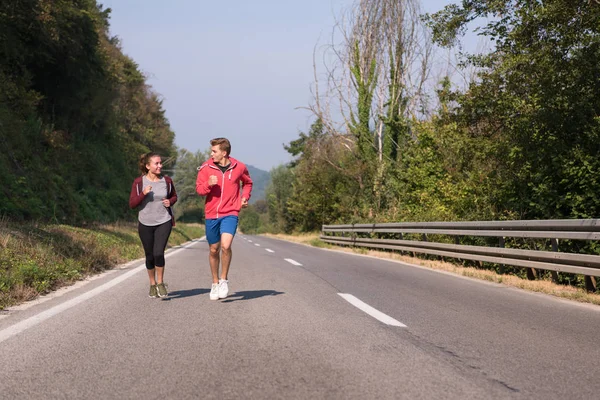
<point x="223" y="288"/>
<point x="214" y="291"/>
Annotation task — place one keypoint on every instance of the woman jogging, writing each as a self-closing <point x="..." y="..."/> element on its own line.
<point x="154" y="194"/>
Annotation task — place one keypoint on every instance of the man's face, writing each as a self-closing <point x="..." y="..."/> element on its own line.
<point x="217" y="154"/>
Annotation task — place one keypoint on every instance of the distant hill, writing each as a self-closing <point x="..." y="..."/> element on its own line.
<point x="260" y="180"/>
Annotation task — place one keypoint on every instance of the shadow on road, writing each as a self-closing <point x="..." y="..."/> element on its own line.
<point x="178" y="294"/>
<point x="250" y="294"/>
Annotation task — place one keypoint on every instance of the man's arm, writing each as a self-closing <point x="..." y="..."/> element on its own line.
<point x="202" y="186"/>
<point x="246" y="185"/>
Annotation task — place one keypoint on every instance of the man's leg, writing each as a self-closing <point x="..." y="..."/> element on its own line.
<point x="227" y="229"/>
<point x="213" y="260"/>
<point x="213" y="237"/>
<point x="226" y="241"/>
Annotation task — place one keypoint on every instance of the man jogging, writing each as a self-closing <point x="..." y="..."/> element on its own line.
<point x="219" y="180"/>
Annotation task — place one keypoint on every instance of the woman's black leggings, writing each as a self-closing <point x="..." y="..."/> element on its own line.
<point x="154" y="239"/>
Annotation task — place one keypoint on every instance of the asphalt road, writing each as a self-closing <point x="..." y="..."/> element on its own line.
<point x="300" y="323"/>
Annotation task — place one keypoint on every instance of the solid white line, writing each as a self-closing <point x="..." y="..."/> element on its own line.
<point x="293" y="262"/>
<point x="256" y="244"/>
<point x="49" y="313"/>
<point x="386" y="319"/>
<point x="270" y="251"/>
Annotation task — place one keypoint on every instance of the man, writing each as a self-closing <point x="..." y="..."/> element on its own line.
<point x="219" y="180"/>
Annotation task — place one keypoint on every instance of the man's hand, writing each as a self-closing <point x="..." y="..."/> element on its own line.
<point x="244" y="202"/>
<point x="212" y="180"/>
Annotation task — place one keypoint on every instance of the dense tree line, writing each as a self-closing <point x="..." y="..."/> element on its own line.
<point x="520" y="141"/>
<point x="75" y="113"/>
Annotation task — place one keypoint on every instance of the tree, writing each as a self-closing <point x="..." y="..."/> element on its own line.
<point x="536" y="99"/>
<point x="190" y="206"/>
<point x="377" y="81"/>
<point x="277" y="195"/>
<point x="75" y="114"/>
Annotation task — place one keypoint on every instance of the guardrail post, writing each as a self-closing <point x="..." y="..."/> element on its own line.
<point x="457" y="242"/>
<point x="531" y="272"/>
<point x="590" y="283"/>
<point x="554" y="248"/>
<point x="501" y="245"/>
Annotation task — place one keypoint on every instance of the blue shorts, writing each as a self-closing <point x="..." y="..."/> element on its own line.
<point x="216" y="227"/>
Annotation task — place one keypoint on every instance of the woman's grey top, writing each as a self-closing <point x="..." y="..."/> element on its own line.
<point x="152" y="211"/>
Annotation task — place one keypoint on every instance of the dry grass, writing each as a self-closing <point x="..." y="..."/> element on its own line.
<point x="540" y="286"/>
<point x="38" y="258"/>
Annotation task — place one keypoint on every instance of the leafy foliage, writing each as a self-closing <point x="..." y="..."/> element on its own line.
<point x="190" y="206"/>
<point x="537" y="98"/>
<point x="75" y="114"/>
<point x="520" y="142"/>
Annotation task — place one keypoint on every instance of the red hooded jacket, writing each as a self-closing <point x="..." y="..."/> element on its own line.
<point x="223" y="199"/>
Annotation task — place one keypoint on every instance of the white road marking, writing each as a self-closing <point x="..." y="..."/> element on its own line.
<point x="386" y="319"/>
<point x="256" y="244"/>
<point x="249" y="241"/>
<point x="270" y="251"/>
<point x="49" y="313"/>
<point x="293" y="262"/>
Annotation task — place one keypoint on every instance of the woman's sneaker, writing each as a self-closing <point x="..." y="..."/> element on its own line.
<point x="214" y="291"/>
<point x="153" y="292"/>
<point x="223" y="288"/>
<point x="161" y="288"/>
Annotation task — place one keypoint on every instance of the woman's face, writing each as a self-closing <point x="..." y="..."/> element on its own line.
<point x="154" y="165"/>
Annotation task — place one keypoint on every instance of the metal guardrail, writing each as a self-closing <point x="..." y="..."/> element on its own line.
<point x="571" y="229"/>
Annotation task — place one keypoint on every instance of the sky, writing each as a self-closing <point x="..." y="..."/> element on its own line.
<point x="238" y="69"/>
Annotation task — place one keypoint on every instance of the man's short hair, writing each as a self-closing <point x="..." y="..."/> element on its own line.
<point x="223" y="144"/>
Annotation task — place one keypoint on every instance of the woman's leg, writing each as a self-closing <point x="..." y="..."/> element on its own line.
<point x="147" y="237"/>
<point x="161" y="237"/>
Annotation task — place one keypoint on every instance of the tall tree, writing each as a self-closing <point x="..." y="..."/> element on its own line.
<point x="536" y="98"/>
<point x="377" y="79"/>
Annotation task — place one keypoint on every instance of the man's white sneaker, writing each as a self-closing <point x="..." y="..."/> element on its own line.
<point x="214" y="291"/>
<point x="223" y="288"/>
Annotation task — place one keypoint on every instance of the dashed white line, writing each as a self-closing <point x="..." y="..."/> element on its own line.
<point x="293" y="262"/>
<point x="249" y="241"/>
<point x="386" y="319"/>
<point x="270" y="251"/>
<point x="256" y="244"/>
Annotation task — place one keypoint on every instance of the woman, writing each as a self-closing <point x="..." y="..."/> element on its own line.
<point x="154" y="194"/>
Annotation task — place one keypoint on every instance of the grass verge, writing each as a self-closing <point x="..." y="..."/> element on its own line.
<point x="36" y="259"/>
<point x="540" y="286"/>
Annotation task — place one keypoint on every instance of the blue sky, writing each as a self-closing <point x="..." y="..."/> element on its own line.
<point x="238" y="69"/>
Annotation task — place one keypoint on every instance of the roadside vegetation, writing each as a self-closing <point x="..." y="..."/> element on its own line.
<point x="38" y="258"/>
<point x="507" y="132"/>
